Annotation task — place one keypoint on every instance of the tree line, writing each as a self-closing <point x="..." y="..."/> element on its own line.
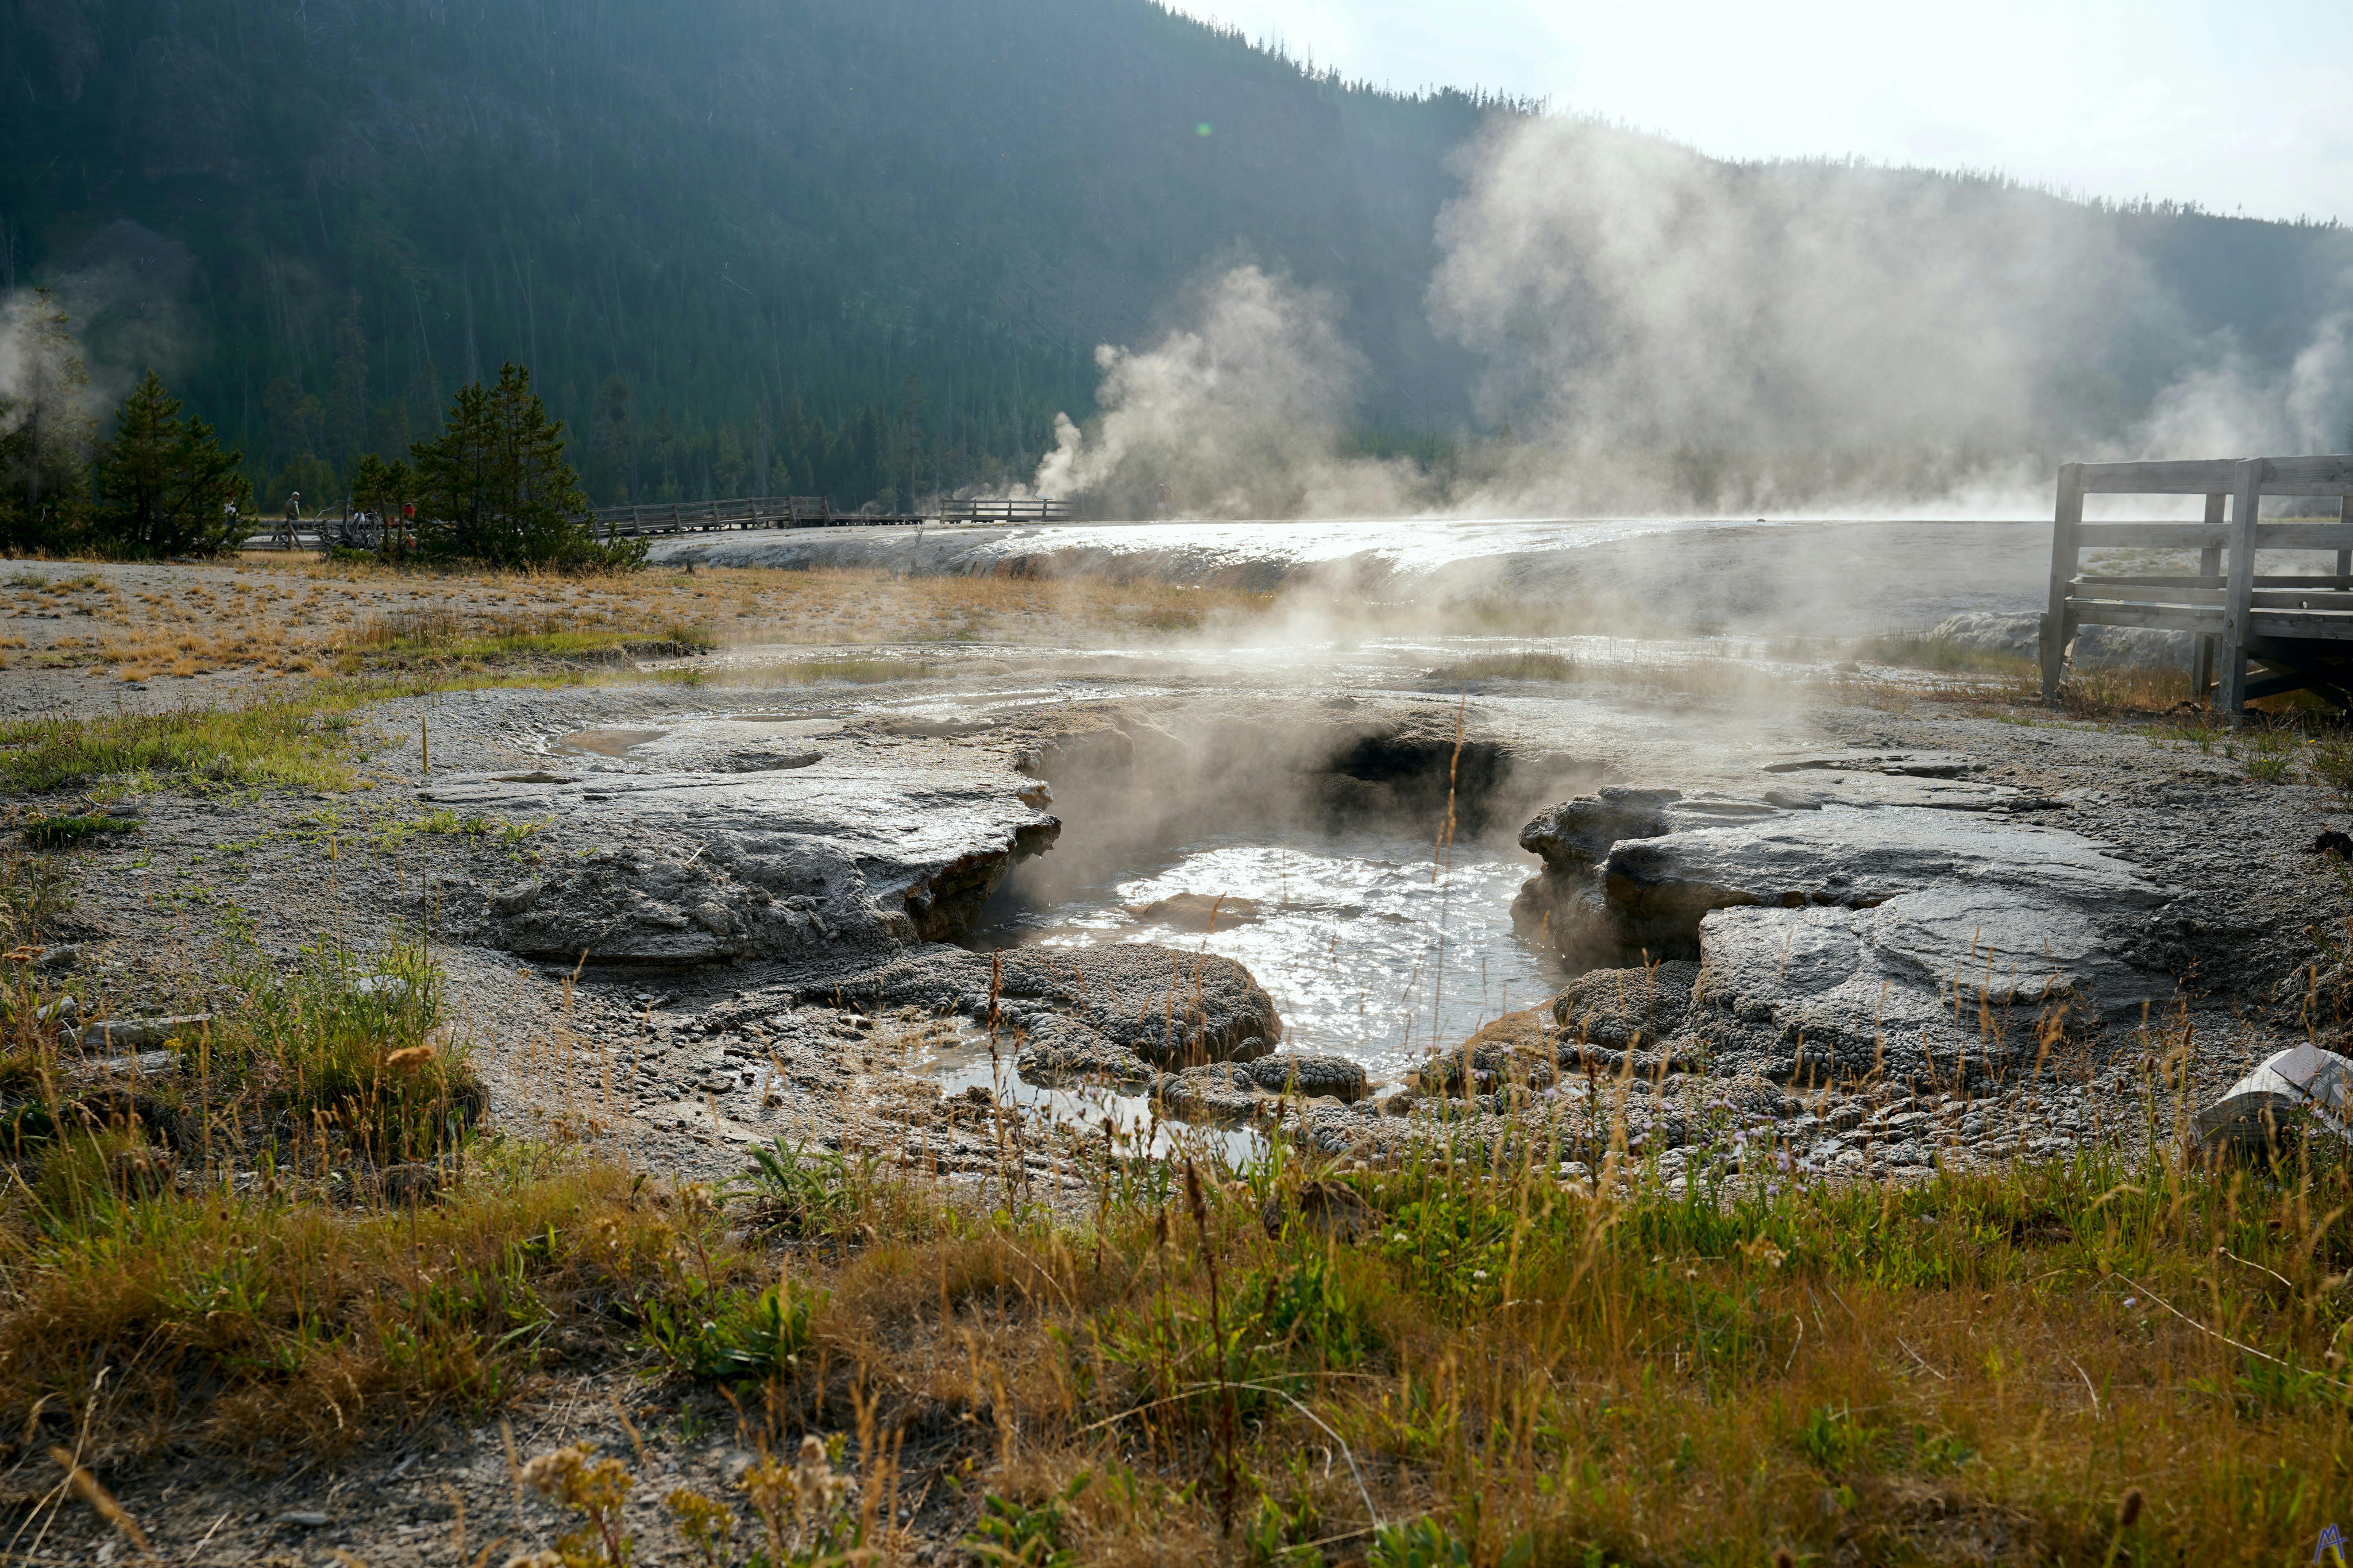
<point x="494" y="486"/>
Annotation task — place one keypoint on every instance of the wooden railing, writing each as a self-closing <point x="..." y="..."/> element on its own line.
<point x="2252" y="636"/>
<point x="658" y="517"/>
<point x="809" y="511"/>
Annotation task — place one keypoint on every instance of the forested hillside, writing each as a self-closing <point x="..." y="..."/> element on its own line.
<point x="859" y="247"/>
<point x="848" y="245"/>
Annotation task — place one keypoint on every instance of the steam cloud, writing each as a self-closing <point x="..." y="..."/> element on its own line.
<point x="1665" y="330"/>
<point x="1238" y="417"/>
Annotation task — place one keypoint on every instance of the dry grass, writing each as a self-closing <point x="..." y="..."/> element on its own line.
<point x="291" y="1231"/>
<point x="1709" y="675"/>
<point x="1511" y="1368"/>
<point x="272" y="615"/>
<point x="1483" y="1363"/>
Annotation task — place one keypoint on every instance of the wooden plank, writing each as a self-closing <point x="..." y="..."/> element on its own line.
<point x="2198" y="536"/>
<point x="2149" y="535"/>
<point x="2067" y="518"/>
<point x="2246" y="506"/>
<point x="2290" y="476"/>
<point x="2328" y="598"/>
<point x="2152" y="596"/>
<point x="2326" y="625"/>
<point x="2199" y="478"/>
<point x="2164" y="617"/>
<point x="2303" y="536"/>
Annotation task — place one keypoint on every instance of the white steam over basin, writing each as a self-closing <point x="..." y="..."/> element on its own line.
<point x="1367" y="952"/>
<point x="1833" y="578"/>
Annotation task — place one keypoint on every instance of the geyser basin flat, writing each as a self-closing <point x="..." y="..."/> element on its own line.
<point x="1843" y="578"/>
<point x="1370" y="947"/>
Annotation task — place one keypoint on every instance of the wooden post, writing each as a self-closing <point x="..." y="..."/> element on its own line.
<point x="2202" y="645"/>
<point x="2067" y="516"/>
<point x="2246" y="502"/>
<point x="2345" y="557"/>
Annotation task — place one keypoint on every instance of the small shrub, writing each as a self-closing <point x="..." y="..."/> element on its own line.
<point x="2272" y="768"/>
<point x="597" y="1489"/>
<point x="341" y="1045"/>
<point x="1419" y="1543"/>
<point x="32" y="896"/>
<point x="797" y="1188"/>
<point x="721" y="1334"/>
<point x="1025" y="1535"/>
<point x="2331" y="761"/>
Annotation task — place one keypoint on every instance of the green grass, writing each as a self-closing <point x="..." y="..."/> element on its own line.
<point x="61" y="832"/>
<point x="300" y="739"/>
<point x="443" y="822"/>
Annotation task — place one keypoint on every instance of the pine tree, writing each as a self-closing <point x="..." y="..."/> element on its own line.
<point x="165" y="488"/>
<point x="385" y="489"/>
<point x="45" y="432"/>
<point x="494" y="487"/>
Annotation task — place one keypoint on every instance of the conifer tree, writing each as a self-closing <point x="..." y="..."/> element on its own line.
<point x="165" y="488"/>
<point x="385" y="489"/>
<point x="494" y="486"/>
<point x="45" y="432"/>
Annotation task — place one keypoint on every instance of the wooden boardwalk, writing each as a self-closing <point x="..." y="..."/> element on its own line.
<point x="661" y="518"/>
<point x="2252" y="636"/>
<point x="809" y="511"/>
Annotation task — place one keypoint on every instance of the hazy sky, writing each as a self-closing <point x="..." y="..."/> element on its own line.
<point x="2244" y="107"/>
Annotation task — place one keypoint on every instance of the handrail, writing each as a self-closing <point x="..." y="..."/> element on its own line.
<point x="2287" y="622"/>
<point x="814" y="511"/>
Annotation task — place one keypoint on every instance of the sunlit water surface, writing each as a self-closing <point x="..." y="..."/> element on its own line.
<point x="1371" y="945"/>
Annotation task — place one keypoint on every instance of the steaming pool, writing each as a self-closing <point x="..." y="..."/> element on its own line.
<point x="1369" y="948"/>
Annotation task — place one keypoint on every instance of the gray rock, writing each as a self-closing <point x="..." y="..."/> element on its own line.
<point x="1486" y="1063"/>
<point x="1218" y="1092"/>
<point x="839" y="854"/>
<point x="2259" y="1109"/>
<point x="1173" y="1009"/>
<point x="2095" y="647"/>
<point x="134" y="1034"/>
<point x="514" y="900"/>
<point x="1624" y="1008"/>
<point x="387" y="987"/>
<point x="1838" y="938"/>
<point x="1308" y="1074"/>
<point x="1580" y="832"/>
<point x="1060" y="1051"/>
<point x="142" y="1064"/>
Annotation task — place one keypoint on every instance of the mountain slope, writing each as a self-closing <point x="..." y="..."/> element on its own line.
<point x="862" y="247"/>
